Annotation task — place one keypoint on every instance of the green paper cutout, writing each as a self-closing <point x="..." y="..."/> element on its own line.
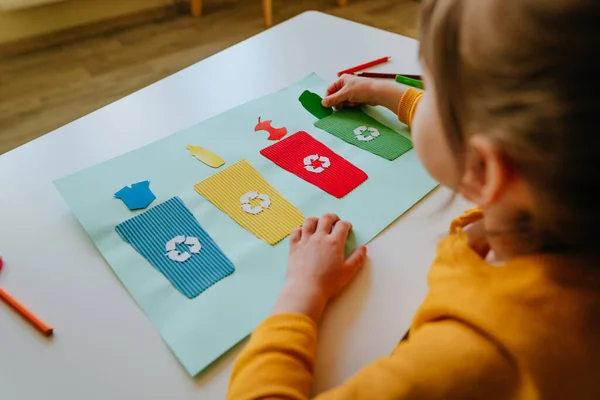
<point x="312" y="103"/>
<point x="389" y="144"/>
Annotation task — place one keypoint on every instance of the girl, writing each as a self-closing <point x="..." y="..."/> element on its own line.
<point x="509" y="121"/>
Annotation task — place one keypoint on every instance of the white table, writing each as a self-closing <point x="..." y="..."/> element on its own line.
<point x="104" y="346"/>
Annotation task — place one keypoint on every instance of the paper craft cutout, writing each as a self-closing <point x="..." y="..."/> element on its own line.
<point x="207" y="157"/>
<point x="311" y="160"/>
<point x="236" y="187"/>
<point x="324" y="163"/>
<point x="312" y="102"/>
<point x="355" y="127"/>
<point x="176" y="255"/>
<point x="265" y="202"/>
<point x="371" y="133"/>
<point x="274" y="133"/>
<point x="136" y="197"/>
<point x="172" y="240"/>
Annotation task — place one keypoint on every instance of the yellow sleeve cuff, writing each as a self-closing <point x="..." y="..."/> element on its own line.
<point x="408" y="105"/>
<point x="467" y="218"/>
<point x="291" y="322"/>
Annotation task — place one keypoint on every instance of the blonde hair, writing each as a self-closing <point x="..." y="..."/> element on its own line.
<point x="524" y="72"/>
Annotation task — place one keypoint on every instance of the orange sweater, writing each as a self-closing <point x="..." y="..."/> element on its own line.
<point x="528" y="329"/>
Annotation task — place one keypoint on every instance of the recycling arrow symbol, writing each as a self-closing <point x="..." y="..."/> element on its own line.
<point x="359" y="132"/>
<point x="192" y="242"/>
<point x="247" y="207"/>
<point x="325" y="163"/>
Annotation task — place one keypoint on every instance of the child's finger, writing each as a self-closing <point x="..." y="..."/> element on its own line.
<point x="341" y="229"/>
<point x="334" y="87"/>
<point x="356" y="260"/>
<point x="309" y="226"/>
<point x="296" y="235"/>
<point x="336" y="98"/>
<point x="326" y="223"/>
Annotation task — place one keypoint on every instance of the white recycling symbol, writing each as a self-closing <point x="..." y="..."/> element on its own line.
<point x="247" y="207"/>
<point x="192" y="242"/>
<point x="325" y="163"/>
<point x="373" y="133"/>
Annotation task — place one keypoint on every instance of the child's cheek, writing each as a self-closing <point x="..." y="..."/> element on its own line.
<point x="430" y="143"/>
<point x="421" y="133"/>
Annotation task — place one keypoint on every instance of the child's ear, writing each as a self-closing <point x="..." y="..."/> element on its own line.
<point x="486" y="171"/>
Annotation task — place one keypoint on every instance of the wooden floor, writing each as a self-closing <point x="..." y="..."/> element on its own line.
<point x="44" y="90"/>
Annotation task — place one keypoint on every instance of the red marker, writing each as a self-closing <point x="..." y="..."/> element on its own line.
<point x="364" y="66"/>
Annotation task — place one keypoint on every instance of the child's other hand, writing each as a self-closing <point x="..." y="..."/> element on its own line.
<point x="317" y="269"/>
<point x="350" y="91"/>
<point x="317" y="255"/>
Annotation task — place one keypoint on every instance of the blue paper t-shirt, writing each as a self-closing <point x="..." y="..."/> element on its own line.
<point x="136" y="197"/>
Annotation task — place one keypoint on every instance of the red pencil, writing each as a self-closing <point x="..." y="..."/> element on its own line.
<point x="364" y="66"/>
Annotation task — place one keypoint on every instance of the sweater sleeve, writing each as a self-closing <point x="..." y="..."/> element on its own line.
<point x="443" y="359"/>
<point x="408" y="105"/>
<point x="278" y="362"/>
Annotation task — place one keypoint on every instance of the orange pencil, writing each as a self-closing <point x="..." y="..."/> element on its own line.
<point x="25" y="313"/>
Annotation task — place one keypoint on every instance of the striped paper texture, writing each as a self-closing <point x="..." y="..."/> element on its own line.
<point x="311" y="160"/>
<point x="342" y="123"/>
<point x="149" y="232"/>
<point x="225" y="190"/>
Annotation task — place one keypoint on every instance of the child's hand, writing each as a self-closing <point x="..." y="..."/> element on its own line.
<point x="350" y="91"/>
<point x="317" y="268"/>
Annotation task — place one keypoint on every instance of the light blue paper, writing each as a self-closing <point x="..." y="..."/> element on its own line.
<point x="198" y="331"/>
